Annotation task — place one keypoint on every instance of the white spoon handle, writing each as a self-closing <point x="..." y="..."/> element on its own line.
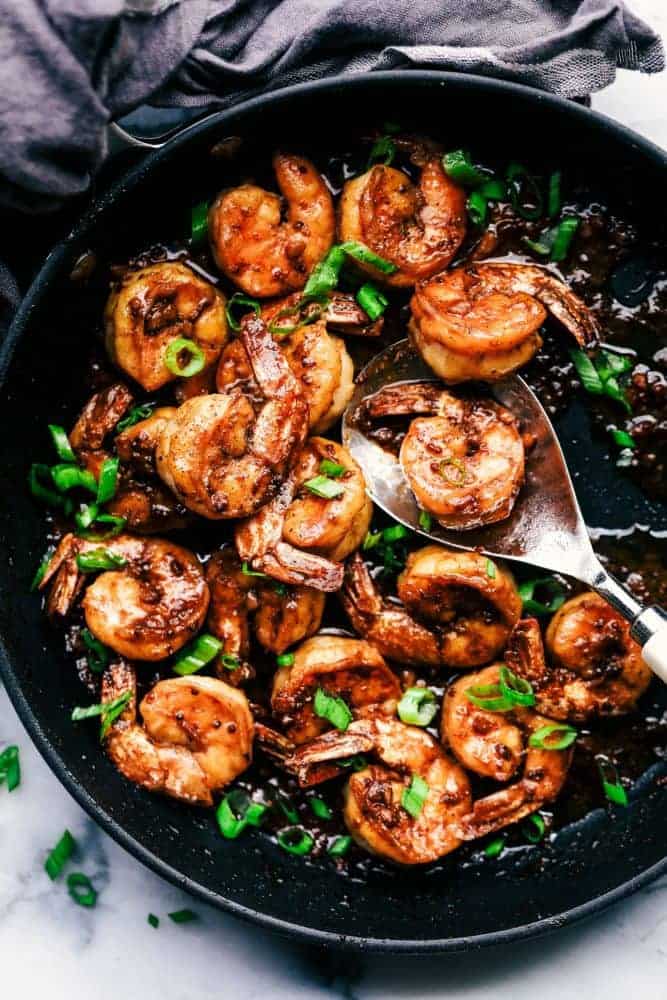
<point x="650" y="628"/>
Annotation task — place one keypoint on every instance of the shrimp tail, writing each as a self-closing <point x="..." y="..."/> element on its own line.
<point x="319" y="759"/>
<point x="571" y="312"/>
<point x="295" y="566"/>
<point x="525" y="651"/>
<point x="65" y="576"/>
<point x="403" y="399"/>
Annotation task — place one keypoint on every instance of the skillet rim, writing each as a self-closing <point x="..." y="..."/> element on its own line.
<point x="40" y="287"/>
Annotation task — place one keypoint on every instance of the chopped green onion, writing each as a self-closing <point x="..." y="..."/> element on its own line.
<point x="286" y="806"/>
<point x="372" y="539"/>
<point x="85" y="516"/>
<point x="116" y="522"/>
<point x="61" y="443"/>
<point x="229" y="661"/>
<point x="494" y="189"/>
<point x="324" y="276"/>
<point x="490" y="697"/>
<point x="108" y="481"/>
<point x="355" y="763"/>
<point x="60" y="855"/>
<point x="394" y="533"/>
<point x="554" y="196"/>
<point x="586" y="371"/>
<point x="383" y="151"/>
<point x="192" y="366"/>
<point x="608" y="363"/>
<point x="534" y="828"/>
<point x="135" y="416"/>
<point x="99" y="559"/>
<point x="543" y="244"/>
<point x="339" y="846"/>
<point x="197" y="654"/>
<point x="425" y="520"/>
<point x="611" y="782"/>
<point x="372" y="300"/>
<point x="285" y="659"/>
<point x="10" y="767"/>
<point x="515" y="688"/>
<point x="520" y="181"/>
<point x="69" y="477"/>
<point x="553" y="588"/>
<point x="495" y="847"/>
<point x="41" y="570"/>
<point x="245" y="569"/>
<point x="307" y="310"/>
<point x="460" y="168"/>
<point x="600" y="378"/>
<point x="388" y="547"/>
<point x="294" y="840"/>
<point x="555" y="736"/>
<point x="333" y="709"/>
<point x="362" y="253"/>
<point x="320" y="808"/>
<point x="38" y="476"/>
<point x="183" y="916"/>
<point x="239" y="299"/>
<point x="322" y="486"/>
<point x="332" y="469"/>
<point x="623" y="439"/>
<point x="414" y="796"/>
<point x="477" y="206"/>
<point x="81" y="889"/>
<point x="199" y="222"/>
<point x="97" y="653"/>
<point x="109" y="712"/>
<point x="418" y="706"/>
<point x="565" y="232"/>
<point x="490" y="569"/>
<point x="153" y="920"/>
<point x="280" y="588"/>
<point x="237" y="811"/>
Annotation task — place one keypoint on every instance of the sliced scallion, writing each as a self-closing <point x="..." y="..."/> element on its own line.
<point x="332" y="469"/>
<point x="534" y="828"/>
<point x="135" y="416"/>
<point x="194" y="360"/>
<point x="97" y="654"/>
<point x="230" y="661"/>
<point x="490" y="569"/>
<point x="10" y="767"/>
<point x="153" y="920"/>
<point x="320" y="808"/>
<point x="372" y="300"/>
<point x="459" y="166"/>
<point x="324" y="487"/>
<point x="294" y="840"/>
<point x="81" y="889"/>
<point x="425" y="520"/>
<point x="240" y="304"/>
<point x="99" y="559"/>
<point x="60" y="855"/>
<point x="546" y="586"/>
<point x="623" y="439"/>
<point x="108" y="480"/>
<point x="495" y="847"/>
<point x="518" y="690"/>
<point x="237" y="811"/>
<point x="41" y="485"/>
<point x="70" y="477"/>
<point x="565" y="233"/>
<point x="61" y="443"/>
<point x="490" y="697"/>
<point x="418" y="706"/>
<point x="477" y="206"/>
<point x="555" y="736"/>
<point x="41" y="570"/>
<point x="115" y="521"/>
<point x="611" y="782"/>
<point x="183" y="916"/>
<point x="383" y="151"/>
<point x="414" y="796"/>
<point x="197" y="654"/>
<point x="524" y="192"/>
<point x="333" y="709"/>
<point x="339" y="846"/>
<point x="245" y="569"/>
<point x="109" y="712"/>
<point x="199" y="222"/>
<point x="324" y="276"/>
<point x="366" y="256"/>
<point x="285" y="659"/>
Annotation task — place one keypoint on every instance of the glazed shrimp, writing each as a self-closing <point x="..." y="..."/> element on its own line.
<point x="153" y="307"/>
<point x="374" y="812"/>
<point x="452" y="612"/>
<point x="418" y="228"/>
<point x="351" y="669"/>
<point x="240" y="602"/>
<point x="596" y="667"/>
<point x="464" y="464"/>
<point x="495" y="745"/>
<point x="98" y="419"/>
<point x="257" y="248"/>
<point x="482" y="321"/>
<point x="196" y="735"/>
<point x="223" y="455"/>
<point x="147" y="608"/>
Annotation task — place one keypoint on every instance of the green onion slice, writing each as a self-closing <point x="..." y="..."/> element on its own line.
<point x="460" y="168"/>
<point x="554" y="195"/>
<point x="394" y="533"/>
<point x="245" y="569"/>
<point x="81" y="889"/>
<point x="565" y="233"/>
<point x="320" y="808"/>
<point x="548" y="586"/>
<point x="41" y="570"/>
<point x="515" y="688"/>
<point x="332" y="708"/>
<point x="229" y="661"/>
<point x="623" y="439"/>
<point x="153" y="920"/>
<point x="477" y="206"/>
<point x="495" y="847"/>
<point x="324" y="276"/>
<point x="339" y="846"/>
<point x="183" y="916"/>
<point x="555" y="736"/>
<point x="99" y="559"/>
<point x="240" y="304"/>
<point x="372" y="300"/>
<point x="61" y="443"/>
<point x="10" y="767"/>
<point x="490" y="569"/>
<point x="366" y="256"/>
<point x="97" y="654"/>
<point x="286" y="806"/>
<point x="524" y="192"/>
<point x="355" y="763"/>
<point x="109" y="712"/>
<point x="322" y="486"/>
<point x="534" y="828"/>
<point x="414" y="796"/>
<point x="494" y="189"/>
<point x="135" y="416"/>
<point x="69" y="477"/>
<point x="197" y="654"/>
<point x="383" y="151"/>
<point x="116" y="524"/>
<point x="418" y="706"/>
<point x="306" y="310"/>
<point x="611" y="782"/>
<point x="586" y="371"/>
<point x="60" y="855"/>
<point x="85" y="516"/>
<point x="237" y="811"/>
<point x="332" y="469"/>
<point x="38" y="478"/>
<point x="544" y="244"/>
<point x="490" y="697"/>
<point x="285" y="659"/>
<point x="108" y="481"/>
<point x="192" y="365"/>
<point x="199" y="222"/>
<point x="294" y="840"/>
<point x="425" y="520"/>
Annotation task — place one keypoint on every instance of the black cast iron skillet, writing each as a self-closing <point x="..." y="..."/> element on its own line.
<point x="593" y="862"/>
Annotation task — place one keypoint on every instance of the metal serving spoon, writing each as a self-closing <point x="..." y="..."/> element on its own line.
<point x="545" y="529"/>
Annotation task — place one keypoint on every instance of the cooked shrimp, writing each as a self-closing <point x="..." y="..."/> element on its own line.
<point x="465" y="464"/>
<point x="196" y="735"/>
<point x="596" y="667"/>
<point x="418" y="228"/>
<point x="495" y="745"/>
<point x="223" y="455"/>
<point x="147" y="608"/>
<point x="240" y="601"/>
<point x="452" y="613"/>
<point x="259" y="249"/>
<point x="153" y="307"/>
<point x="482" y="321"/>
<point x="98" y="419"/>
<point x="374" y="812"/>
<point x="351" y="669"/>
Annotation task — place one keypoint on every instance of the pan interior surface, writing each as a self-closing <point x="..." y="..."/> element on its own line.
<point x="588" y="863"/>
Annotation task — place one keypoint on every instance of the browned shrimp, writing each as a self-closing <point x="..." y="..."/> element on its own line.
<point x="453" y="613"/>
<point x="596" y="667"/>
<point x="147" y="608"/>
<point x="464" y="464"/>
<point x="482" y="321"/>
<point x="417" y="228"/>
<point x="223" y="455"/>
<point x="98" y="419"/>
<point x="196" y="735"/>
<point x="259" y="249"/>
<point x="374" y="810"/>
<point x="351" y="669"/>
<point x="495" y="745"/>
<point x="153" y="307"/>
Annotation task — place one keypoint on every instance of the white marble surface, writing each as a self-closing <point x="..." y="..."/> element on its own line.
<point x="50" y="947"/>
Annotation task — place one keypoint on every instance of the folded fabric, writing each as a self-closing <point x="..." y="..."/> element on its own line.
<point x="68" y="67"/>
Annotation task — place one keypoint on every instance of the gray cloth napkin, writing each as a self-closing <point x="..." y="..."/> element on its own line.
<point x="68" y="67"/>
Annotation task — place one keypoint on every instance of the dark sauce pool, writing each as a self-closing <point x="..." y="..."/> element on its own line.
<point x="622" y="275"/>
